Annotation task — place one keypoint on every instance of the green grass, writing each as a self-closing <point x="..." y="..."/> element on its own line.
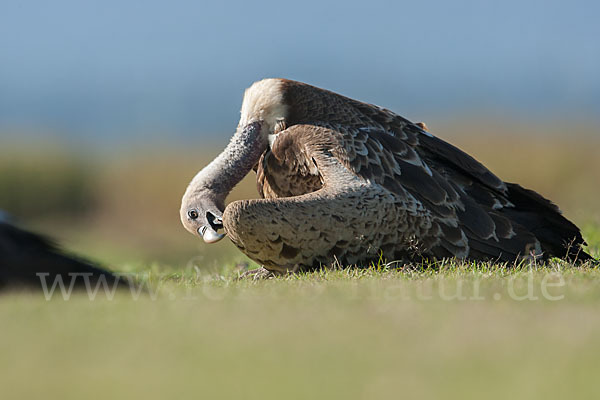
<point x="454" y="331"/>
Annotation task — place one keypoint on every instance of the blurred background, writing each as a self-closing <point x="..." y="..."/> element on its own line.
<point x="108" y="108"/>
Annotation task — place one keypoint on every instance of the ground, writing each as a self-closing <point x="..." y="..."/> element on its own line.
<point x="450" y="331"/>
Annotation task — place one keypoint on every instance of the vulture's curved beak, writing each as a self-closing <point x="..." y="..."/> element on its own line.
<point x="209" y="234"/>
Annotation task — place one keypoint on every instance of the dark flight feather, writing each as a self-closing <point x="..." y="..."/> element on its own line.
<point x="24" y="254"/>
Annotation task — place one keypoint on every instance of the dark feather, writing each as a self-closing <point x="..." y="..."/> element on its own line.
<point x="23" y="255"/>
<point x="558" y="236"/>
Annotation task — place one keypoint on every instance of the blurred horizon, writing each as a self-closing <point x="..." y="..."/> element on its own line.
<point x="100" y="73"/>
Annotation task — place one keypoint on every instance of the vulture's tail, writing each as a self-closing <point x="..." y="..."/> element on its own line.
<point x="558" y="236"/>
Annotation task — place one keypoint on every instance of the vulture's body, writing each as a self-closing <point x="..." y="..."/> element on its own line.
<point x="351" y="182"/>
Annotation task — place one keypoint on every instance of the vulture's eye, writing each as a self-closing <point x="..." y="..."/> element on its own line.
<point x="193" y="214"/>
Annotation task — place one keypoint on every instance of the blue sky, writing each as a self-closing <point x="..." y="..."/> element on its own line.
<point x="116" y="68"/>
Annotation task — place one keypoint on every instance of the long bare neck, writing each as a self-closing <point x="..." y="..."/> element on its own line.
<point x="219" y="177"/>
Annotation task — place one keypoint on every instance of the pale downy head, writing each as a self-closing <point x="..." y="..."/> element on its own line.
<point x="203" y="203"/>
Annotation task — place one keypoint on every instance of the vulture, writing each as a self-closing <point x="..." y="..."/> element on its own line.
<point x="349" y="182"/>
<point x="27" y="259"/>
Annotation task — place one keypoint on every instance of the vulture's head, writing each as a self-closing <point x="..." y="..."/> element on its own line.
<point x="202" y="214"/>
<point x="203" y="203"/>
